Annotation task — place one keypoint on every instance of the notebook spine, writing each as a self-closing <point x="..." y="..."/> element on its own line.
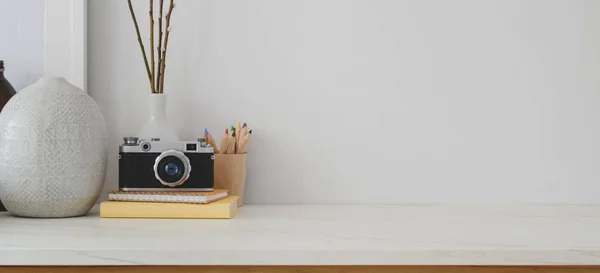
<point x="157" y="198"/>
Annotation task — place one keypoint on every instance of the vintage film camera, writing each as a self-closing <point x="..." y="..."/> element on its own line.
<point x="165" y="165"/>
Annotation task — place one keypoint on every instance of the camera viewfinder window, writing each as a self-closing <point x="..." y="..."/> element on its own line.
<point x="191" y="147"/>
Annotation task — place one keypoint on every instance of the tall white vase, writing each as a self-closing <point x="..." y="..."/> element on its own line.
<point x="158" y="125"/>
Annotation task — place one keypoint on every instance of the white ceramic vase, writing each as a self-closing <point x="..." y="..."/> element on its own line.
<point x="158" y="125"/>
<point x="53" y="151"/>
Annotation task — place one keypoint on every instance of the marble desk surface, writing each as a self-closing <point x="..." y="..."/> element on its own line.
<point x="316" y="235"/>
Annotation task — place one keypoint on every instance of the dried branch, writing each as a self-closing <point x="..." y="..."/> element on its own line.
<point x="152" y="44"/>
<point x="159" y="48"/>
<point x="137" y="30"/>
<point x="164" y="52"/>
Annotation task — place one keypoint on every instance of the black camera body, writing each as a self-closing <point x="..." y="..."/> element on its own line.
<point x="165" y="166"/>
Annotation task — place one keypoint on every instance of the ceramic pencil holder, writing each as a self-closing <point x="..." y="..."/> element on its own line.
<point x="230" y="173"/>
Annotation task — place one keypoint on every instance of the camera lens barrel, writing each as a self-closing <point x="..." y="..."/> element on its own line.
<point x="172" y="168"/>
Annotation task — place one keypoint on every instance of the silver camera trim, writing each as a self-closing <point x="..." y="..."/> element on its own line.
<point x="161" y="146"/>
<point x="187" y="167"/>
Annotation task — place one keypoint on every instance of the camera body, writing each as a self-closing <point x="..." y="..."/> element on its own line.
<point x="165" y="166"/>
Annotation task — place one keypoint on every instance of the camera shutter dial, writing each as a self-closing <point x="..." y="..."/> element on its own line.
<point x="172" y="168"/>
<point x="130" y="141"/>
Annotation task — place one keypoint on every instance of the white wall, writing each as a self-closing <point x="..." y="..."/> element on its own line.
<point x="22" y="40"/>
<point x="375" y="101"/>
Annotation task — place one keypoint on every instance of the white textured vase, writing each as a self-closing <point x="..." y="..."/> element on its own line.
<point x="53" y="151"/>
<point x="158" y="125"/>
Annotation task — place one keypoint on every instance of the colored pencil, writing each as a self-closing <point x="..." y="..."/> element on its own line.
<point x="231" y="144"/>
<point x="206" y="137"/>
<point x="238" y="129"/>
<point x="245" y="142"/>
<point x="212" y="143"/>
<point x="245" y="129"/>
<point x="224" y="142"/>
<point x="241" y="135"/>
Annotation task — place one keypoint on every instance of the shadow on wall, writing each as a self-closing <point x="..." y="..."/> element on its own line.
<point x="22" y="46"/>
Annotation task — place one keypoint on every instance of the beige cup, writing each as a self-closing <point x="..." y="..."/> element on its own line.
<point x="230" y="173"/>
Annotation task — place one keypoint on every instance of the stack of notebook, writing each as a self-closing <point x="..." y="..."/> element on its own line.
<point x="198" y="205"/>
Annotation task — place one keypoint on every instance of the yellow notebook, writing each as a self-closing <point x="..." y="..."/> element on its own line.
<point x="223" y="209"/>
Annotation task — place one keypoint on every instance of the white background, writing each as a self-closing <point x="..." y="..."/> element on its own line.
<point x="22" y="40"/>
<point x="374" y="101"/>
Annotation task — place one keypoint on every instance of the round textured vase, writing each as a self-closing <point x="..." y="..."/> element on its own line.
<point x="53" y="151"/>
<point x="158" y="125"/>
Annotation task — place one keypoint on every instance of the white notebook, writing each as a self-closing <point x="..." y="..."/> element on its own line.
<point x="168" y="197"/>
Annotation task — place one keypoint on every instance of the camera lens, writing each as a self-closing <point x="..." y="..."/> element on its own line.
<point x="172" y="168"/>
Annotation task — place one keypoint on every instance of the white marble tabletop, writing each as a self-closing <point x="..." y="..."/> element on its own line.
<point x="316" y="235"/>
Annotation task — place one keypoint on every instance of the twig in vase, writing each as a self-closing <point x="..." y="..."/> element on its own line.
<point x="151" y="12"/>
<point x="159" y="48"/>
<point x="164" y="51"/>
<point x="137" y="30"/>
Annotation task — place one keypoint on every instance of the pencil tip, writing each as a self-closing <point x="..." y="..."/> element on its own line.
<point x="245" y="125"/>
<point x="250" y="132"/>
<point x="226" y="131"/>
<point x="205" y="131"/>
